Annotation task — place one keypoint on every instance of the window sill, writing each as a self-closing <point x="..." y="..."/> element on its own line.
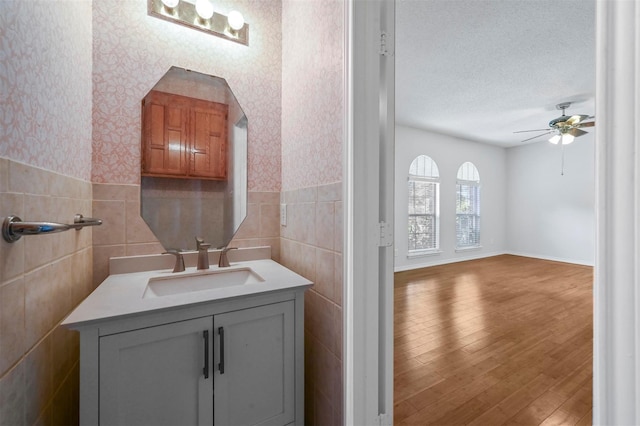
<point x="461" y="249"/>
<point x="423" y="253"/>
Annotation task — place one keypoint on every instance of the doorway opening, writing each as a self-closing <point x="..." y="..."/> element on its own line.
<point x="499" y="330"/>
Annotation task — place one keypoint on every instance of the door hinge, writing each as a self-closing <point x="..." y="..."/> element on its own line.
<point x="384" y="51"/>
<point x="385" y="420"/>
<point x="385" y="236"/>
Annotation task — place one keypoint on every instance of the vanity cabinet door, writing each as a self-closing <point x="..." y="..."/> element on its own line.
<point x="255" y="366"/>
<point x="156" y="376"/>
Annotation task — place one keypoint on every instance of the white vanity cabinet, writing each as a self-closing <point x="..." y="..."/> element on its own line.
<point x="233" y="356"/>
<point x="234" y="368"/>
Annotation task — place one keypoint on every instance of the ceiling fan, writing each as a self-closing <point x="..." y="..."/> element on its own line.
<point x="564" y="128"/>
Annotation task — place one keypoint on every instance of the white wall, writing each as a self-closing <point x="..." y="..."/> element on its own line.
<point x="548" y="215"/>
<point x="449" y="153"/>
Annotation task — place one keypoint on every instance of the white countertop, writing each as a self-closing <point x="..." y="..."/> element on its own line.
<point x="122" y="294"/>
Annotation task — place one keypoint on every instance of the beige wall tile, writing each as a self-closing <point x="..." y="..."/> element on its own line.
<point x="74" y="385"/>
<point x="11" y="259"/>
<point x="116" y="192"/>
<point x="338" y="396"/>
<point x="305" y="195"/>
<point x="257" y="197"/>
<point x="4" y="175"/>
<point x="250" y="227"/>
<point x="337" y="279"/>
<point x="39" y="305"/>
<point x="12" y="324"/>
<point x="325" y="225"/>
<point x="65" y="347"/>
<point x="61" y="406"/>
<point x="337" y="331"/>
<point x="323" y="410"/>
<point x="61" y="279"/>
<point x="61" y="212"/>
<point x="112" y="230"/>
<point x="41" y="279"/>
<point x="269" y="220"/>
<point x="81" y="275"/>
<point x="39" y="248"/>
<point x="301" y="222"/>
<point x="311" y="245"/>
<point x="307" y="261"/>
<point x="38" y="380"/>
<point x="137" y="231"/>
<point x="28" y="179"/>
<point x="62" y="186"/>
<point x="144" y="248"/>
<point x="101" y="255"/>
<point x="12" y="396"/>
<point x="338" y="231"/>
<point x="325" y="274"/>
<point x="330" y="192"/>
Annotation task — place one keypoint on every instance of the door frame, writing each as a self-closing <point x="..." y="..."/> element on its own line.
<point x="616" y="355"/>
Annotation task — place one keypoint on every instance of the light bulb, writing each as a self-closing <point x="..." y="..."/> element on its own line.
<point x="236" y="20"/>
<point x="204" y="8"/>
<point x="170" y="4"/>
<point x="555" y="139"/>
<point x="567" y="139"/>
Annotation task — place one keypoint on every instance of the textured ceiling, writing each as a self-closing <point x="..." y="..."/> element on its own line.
<point x="482" y="69"/>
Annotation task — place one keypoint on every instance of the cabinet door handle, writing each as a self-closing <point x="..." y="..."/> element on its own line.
<point x="205" y="370"/>
<point x="221" y="364"/>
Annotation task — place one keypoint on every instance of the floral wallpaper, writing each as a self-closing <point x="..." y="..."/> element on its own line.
<point x="132" y="51"/>
<point x="312" y="93"/>
<point x="45" y="86"/>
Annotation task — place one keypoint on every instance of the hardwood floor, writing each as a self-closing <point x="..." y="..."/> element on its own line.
<point x="501" y="340"/>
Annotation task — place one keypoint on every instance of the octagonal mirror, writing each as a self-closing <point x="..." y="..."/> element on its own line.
<point x="194" y="160"/>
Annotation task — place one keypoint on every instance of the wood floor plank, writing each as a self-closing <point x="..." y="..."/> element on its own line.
<point x="504" y="339"/>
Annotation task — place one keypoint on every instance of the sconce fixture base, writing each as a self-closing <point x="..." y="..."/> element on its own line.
<point x="185" y="14"/>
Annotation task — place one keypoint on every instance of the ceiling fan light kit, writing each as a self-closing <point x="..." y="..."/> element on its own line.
<point x="563" y="129"/>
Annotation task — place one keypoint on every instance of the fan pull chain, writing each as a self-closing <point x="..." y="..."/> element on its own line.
<point x="562" y="166"/>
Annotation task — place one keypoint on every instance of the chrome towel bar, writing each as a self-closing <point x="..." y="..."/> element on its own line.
<point x="13" y="228"/>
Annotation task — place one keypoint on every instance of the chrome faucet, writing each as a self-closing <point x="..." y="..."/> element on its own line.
<point x="203" y="253"/>
<point x="179" y="266"/>
<point x="224" y="260"/>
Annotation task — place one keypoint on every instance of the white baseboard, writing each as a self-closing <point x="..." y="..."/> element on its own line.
<point x="436" y="262"/>
<point x="555" y="259"/>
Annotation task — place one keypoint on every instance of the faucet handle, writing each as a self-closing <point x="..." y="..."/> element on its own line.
<point x="199" y="242"/>
<point x="224" y="260"/>
<point x="179" y="266"/>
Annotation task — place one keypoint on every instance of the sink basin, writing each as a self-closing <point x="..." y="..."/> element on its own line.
<point x="200" y="281"/>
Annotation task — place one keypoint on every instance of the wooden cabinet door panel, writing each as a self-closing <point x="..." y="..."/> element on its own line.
<point x="209" y="143"/>
<point x="258" y="383"/>
<point x="154" y="376"/>
<point x="166" y="140"/>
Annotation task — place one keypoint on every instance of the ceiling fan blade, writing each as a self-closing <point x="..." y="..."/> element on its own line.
<point x="577" y="132"/>
<point x="589" y="124"/>
<point x="536" y="130"/>
<point x="538" y="136"/>
<point x="575" y="119"/>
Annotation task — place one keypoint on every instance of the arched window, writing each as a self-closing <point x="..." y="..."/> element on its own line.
<point x="468" y="207"/>
<point x="424" y="182"/>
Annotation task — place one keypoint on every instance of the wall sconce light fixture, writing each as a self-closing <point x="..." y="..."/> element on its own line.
<point x="199" y="15"/>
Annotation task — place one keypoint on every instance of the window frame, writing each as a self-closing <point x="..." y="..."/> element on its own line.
<point x="435" y="215"/>
<point x="472" y="187"/>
